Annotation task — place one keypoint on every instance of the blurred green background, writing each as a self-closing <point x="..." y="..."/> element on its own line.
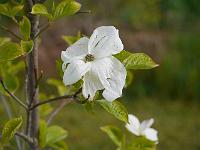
<point x="168" y="31"/>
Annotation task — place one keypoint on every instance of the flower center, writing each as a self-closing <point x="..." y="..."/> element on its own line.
<point x="89" y="57"/>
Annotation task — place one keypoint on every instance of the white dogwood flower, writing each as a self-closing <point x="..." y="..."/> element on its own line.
<point x="143" y="128"/>
<point x="91" y="58"/>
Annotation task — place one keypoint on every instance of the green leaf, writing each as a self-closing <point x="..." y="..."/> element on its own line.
<point x="27" y="46"/>
<point x="115" y="108"/>
<point x="141" y="143"/>
<point x="59" y="63"/>
<point x="58" y="84"/>
<point x="55" y="134"/>
<point x="89" y="107"/>
<point x="122" y="55"/>
<point x="44" y="110"/>
<point x="61" y="145"/>
<point x="71" y="39"/>
<point x="10" y="129"/>
<point x="11" y="82"/>
<point x="4" y="40"/>
<point x="66" y="8"/>
<point x="42" y="133"/>
<point x="7" y="10"/>
<point x="40" y="9"/>
<point x="9" y="51"/>
<point x="139" y="61"/>
<point x="115" y="135"/>
<point x="25" y="27"/>
<point x="129" y="78"/>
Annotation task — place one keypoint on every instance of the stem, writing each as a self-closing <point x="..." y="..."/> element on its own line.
<point x="13" y="96"/>
<point x="32" y="72"/>
<point x="11" y="32"/>
<point x="25" y="137"/>
<point x="9" y="112"/>
<point x="42" y="30"/>
<point x="56" y="111"/>
<point x="67" y="97"/>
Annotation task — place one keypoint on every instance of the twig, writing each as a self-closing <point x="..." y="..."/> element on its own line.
<point x="9" y="112"/>
<point x="11" y="32"/>
<point x="68" y="97"/>
<point x="25" y="137"/>
<point x="84" y="11"/>
<point x="42" y="30"/>
<point x="57" y="110"/>
<point x="13" y="96"/>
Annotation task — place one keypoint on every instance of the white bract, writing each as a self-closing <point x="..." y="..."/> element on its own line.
<point x="143" y="128"/>
<point x="91" y="58"/>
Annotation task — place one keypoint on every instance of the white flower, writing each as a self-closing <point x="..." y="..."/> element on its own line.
<point x="91" y="58"/>
<point x="143" y="128"/>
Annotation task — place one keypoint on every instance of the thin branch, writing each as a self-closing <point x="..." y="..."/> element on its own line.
<point x="67" y="97"/>
<point x="42" y="30"/>
<point x="84" y="12"/>
<point x="13" y="96"/>
<point x="11" y="32"/>
<point x="24" y="137"/>
<point x="57" y="110"/>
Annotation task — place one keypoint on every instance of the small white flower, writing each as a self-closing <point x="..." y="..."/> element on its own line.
<point x="143" y="128"/>
<point x="92" y="59"/>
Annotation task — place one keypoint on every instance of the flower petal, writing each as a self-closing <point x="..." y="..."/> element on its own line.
<point x="104" y="42"/>
<point x="151" y="134"/>
<point x="91" y="84"/>
<point x="133" y="125"/>
<point x="75" y="70"/>
<point x="116" y="81"/>
<point x="146" y="124"/>
<point x="76" y="51"/>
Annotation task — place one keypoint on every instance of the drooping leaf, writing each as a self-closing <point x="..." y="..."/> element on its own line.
<point x="139" y="61"/>
<point x="115" y="108"/>
<point x="55" y="134"/>
<point x="122" y="55"/>
<point x="66" y="8"/>
<point x="40" y="9"/>
<point x="25" y="27"/>
<point x="115" y="135"/>
<point x="141" y="143"/>
<point x="10" y="129"/>
<point x="42" y="133"/>
<point x="27" y="46"/>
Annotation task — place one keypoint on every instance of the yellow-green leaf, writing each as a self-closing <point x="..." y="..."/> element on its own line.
<point x="139" y="61"/>
<point x="27" y="46"/>
<point x="66" y="8"/>
<point x="9" y="51"/>
<point x="8" y="10"/>
<point x="42" y="133"/>
<point x="122" y="55"/>
<point x="10" y="129"/>
<point x="55" y="134"/>
<point x="115" y="135"/>
<point x="115" y="108"/>
<point x="25" y="27"/>
<point x="40" y="9"/>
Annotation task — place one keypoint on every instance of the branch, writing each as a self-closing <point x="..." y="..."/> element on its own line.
<point x="84" y="11"/>
<point x="57" y="110"/>
<point x="70" y="98"/>
<point x="24" y="137"/>
<point x="13" y="96"/>
<point x="42" y="30"/>
<point x="11" y="32"/>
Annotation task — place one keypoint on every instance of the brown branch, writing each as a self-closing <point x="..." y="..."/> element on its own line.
<point x="84" y="12"/>
<point x="13" y="96"/>
<point x="42" y="30"/>
<point x="11" y="32"/>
